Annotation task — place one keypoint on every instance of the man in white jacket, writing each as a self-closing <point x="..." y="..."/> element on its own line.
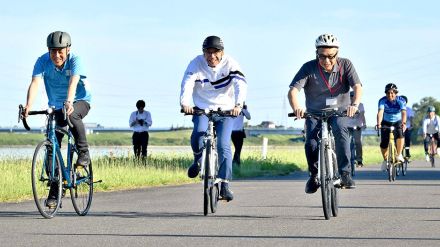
<point x="213" y="80"/>
<point x="431" y="127"/>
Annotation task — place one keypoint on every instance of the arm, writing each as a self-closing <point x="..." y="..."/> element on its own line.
<point x="186" y="90"/>
<point x="240" y="89"/>
<point x="379" y="118"/>
<point x="32" y="92"/>
<point x="149" y="121"/>
<point x="73" y="83"/>
<point x="403" y="113"/>
<point x="351" y="110"/>
<point x="132" y="121"/>
<point x="294" y="103"/>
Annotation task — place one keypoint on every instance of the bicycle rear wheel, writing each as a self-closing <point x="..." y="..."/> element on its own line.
<point x="81" y="191"/>
<point x="42" y="180"/>
<point x="325" y="188"/>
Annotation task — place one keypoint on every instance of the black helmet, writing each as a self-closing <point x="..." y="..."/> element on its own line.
<point x="404" y="98"/>
<point x="58" y="39"/>
<point x="392" y="86"/>
<point x="140" y="104"/>
<point x="213" y="42"/>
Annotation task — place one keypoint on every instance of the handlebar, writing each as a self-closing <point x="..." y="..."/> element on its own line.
<point x="324" y="114"/>
<point x="198" y="111"/>
<point x="48" y="111"/>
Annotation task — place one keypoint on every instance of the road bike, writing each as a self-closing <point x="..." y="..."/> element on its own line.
<point x="328" y="175"/>
<point x="209" y="161"/>
<point x="432" y="149"/>
<point x="49" y="169"/>
<point x="392" y="162"/>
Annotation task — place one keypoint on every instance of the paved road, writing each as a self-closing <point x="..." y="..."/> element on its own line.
<point x="267" y="212"/>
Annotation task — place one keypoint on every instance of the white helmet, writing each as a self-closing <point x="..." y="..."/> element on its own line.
<point x="327" y="40"/>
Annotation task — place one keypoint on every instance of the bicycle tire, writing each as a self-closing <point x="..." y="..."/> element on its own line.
<point x="81" y="192"/>
<point x="394" y="172"/>
<point x="42" y="181"/>
<point x="214" y="190"/>
<point x="405" y="167"/>
<point x="334" y="192"/>
<point x="324" y="182"/>
<point x="432" y="160"/>
<point x="206" y="178"/>
<point x="390" y="161"/>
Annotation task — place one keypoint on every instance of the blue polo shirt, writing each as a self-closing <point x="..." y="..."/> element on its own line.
<point x="392" y="109"/>
<point x="56" y="81"/>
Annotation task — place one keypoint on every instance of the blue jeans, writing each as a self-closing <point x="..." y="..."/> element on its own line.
<point x="342" y="142"/>
<point x="223" y="129"/>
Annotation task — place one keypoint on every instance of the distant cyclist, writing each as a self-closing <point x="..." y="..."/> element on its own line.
<point x="326" y="81"/>
<point x="431" y="126"/>
<point x="356" y="125"/>
<point x="391" y="112"/>
<point x="409" y="127"/>
<point x="211" y="81"/>
<point x="65" y="82"/>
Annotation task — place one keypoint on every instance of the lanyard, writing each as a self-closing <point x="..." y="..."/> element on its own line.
<point x="339" y="84"/>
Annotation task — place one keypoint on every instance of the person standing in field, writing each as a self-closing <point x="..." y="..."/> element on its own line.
<point x="140" y="121"/>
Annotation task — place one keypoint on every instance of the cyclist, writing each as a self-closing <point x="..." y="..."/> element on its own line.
<point x="211" y="81"/>
<point x="431" y="126"/>
<point x="391" y="112"/>
<point x="409" y="127"/>
<point x="326" y="81"/>
<point x="65" y="82"/>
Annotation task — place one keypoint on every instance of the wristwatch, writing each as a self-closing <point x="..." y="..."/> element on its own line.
<point x="239" y="105"/>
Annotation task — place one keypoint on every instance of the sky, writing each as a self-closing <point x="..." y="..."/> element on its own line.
<point x="140" y="49"/>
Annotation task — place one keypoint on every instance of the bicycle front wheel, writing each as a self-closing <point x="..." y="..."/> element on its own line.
<point x="81" y="191"/>
<point x="206" y="178"/>
<point x="325" y="188"/>
<point x="390" y="161"/>
<point x="43" y="180"/>
<point x="214" y="189"/>
<point x="405" y="167"/>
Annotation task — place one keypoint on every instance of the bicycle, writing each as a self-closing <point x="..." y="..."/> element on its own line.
<point x="392" y="162"/>
<point x="49" y="169"/>
<point x="432" y="149"/>
<point x="209" y="161"/>
<point x="328" y="175"/>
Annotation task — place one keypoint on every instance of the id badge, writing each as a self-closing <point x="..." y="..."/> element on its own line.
<point x="331" y="101"/>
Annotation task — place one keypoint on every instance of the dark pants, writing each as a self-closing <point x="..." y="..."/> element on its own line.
<point x="81" y="109"/>
<point x="356" y="145"/>
<point x="342" y="142"/>
<point x="385" y="133"/>
<point x="408" y="133"/>
<point x="237" y="139"/>
<point x="428" y="139"/>
<point x="140" y="143"/>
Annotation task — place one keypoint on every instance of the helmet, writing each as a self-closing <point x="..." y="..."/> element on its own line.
<point x="404" y="98"/>
<point x="392" y="86"/>
<point x="431" y="109"/>
<point x="327" y="40"/>
<point x="140" y="104"/>
<point x="58" y="39"/>
<point x="213" y="42"/>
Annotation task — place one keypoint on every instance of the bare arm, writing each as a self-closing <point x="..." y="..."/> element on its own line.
<point x="351" y="110"/>
<point x="379" y="117"/>
<point x="32" y="93"/>
<point x="294" y="103"/>
<point x="73" y="83"/>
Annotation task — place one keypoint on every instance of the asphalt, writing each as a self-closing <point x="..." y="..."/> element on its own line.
<point x="269" y="211"/>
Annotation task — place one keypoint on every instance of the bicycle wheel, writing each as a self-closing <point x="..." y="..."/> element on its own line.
<point x="81" y="191"/>
<point x="206" y="178"/>
<point x="405" y="167"/>
<point x="390" y="162"/>
<point x="42" y="180"/>
<point x="324" y="181"/>
<point x="214" y="190"/>
<point x="432" y="160"/>
<point x="334" y="191"/>
<point x="394" y="171"/>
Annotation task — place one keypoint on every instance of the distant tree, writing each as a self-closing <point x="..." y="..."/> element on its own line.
<point x="420" y="112"/>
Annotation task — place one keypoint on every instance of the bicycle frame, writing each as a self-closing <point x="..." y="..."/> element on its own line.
<point x="209" y="141"/>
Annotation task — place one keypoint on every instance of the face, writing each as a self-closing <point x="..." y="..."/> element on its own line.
<point x="59" y="56"/>
<point x="431" y="114"/>
<point x="391" y="95"/>
<point x="327" y="58"/>
<point x="213" y="56"/>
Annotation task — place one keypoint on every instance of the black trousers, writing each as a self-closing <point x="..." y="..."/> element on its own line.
<point x="357" y="144"/>
<point x="140" y="143"/>
<point x="237" y="139"/>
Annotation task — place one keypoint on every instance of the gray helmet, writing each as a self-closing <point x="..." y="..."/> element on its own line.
<point x="431" y="109"/>
<point x="213" y="42"/>
<point x="58" y="39"/>
<point x="327" y="40"/>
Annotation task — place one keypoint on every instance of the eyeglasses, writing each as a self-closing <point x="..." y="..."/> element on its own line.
<point x="330" y="57"/>
<point x="391" y="92"/>
<point x="211" y="52"/>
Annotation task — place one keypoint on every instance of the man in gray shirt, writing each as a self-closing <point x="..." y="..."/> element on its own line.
<point x="326" y="81"/>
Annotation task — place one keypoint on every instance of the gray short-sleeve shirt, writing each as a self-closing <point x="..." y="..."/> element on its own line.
<point x="321" y="88"/>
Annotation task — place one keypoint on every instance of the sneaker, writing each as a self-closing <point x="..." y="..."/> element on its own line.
<point x="312" y="185"/>
<point x="400" y="158"/>
<point x="193" y="170"/>
<point x="359" y="164"/>
<point x="427" y="158"/>
<point x="384" y="166"/>
<point x="225" y="192"/>
<point x="347" y="182"/>
<point x="83" y="159"/>
<point x="51" y="203"/>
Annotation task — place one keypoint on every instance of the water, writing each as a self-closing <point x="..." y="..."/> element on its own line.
<point x="27" y="152"/>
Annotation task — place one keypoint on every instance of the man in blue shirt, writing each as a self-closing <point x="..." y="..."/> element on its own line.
<point x="65" y="83"/>
<point x="392" y="112"/>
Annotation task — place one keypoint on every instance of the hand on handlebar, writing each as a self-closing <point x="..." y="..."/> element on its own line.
<point x="299" y="112"/>
<point x="187" y="109"/>
<point x="236" y="111"/>
<point x="351" y="110"/>
<point x="69" y="107"/>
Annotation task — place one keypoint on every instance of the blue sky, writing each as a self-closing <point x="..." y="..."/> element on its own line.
<point x="140" y="49"/>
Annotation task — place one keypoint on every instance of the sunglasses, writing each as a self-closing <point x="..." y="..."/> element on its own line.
<point x="323" y="57"/>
